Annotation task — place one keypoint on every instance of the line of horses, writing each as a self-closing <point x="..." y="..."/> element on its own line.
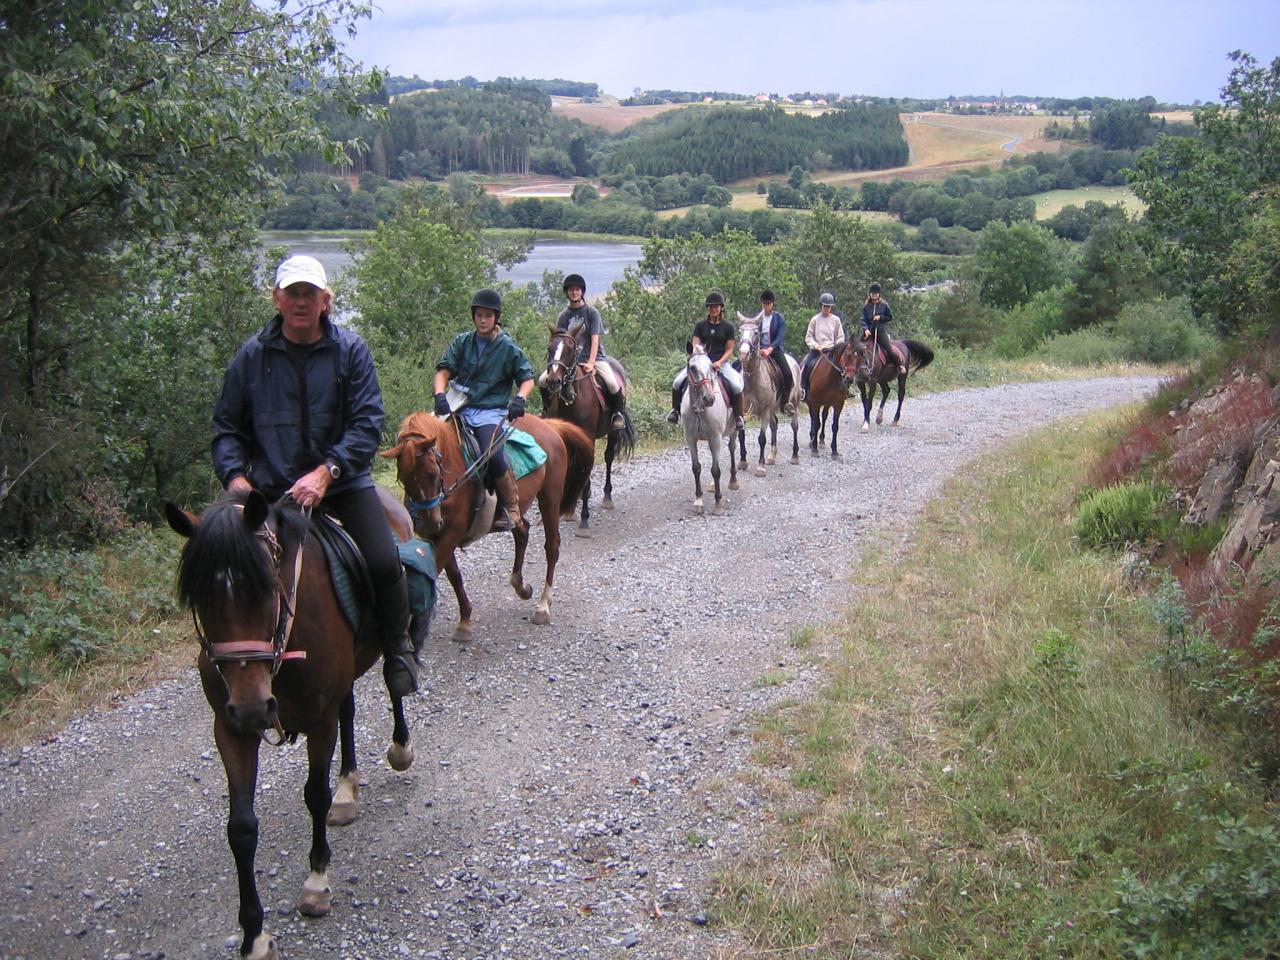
<point x="277" y="651"/>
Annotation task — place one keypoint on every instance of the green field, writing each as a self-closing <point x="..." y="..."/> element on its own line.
<point x="1050" y="203"/>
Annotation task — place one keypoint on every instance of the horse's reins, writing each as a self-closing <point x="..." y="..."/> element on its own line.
<point x="416" y="507"/>
<point x="570" y="377"/>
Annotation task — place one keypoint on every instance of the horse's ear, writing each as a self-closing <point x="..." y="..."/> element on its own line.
<point x="394" y="452"/>
<point x="688" y="347"/>
<point x="256" y="509"/>
<point x="182" y="522"/>
<point x="741" y="316"/>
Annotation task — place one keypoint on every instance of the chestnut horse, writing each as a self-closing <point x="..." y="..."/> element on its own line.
<point x="277" y="652"/>
<point x="829" y="384"/>
<point x="873" y="369"/>
<point x="447" y="507"/>
<point x="569" y="393"/>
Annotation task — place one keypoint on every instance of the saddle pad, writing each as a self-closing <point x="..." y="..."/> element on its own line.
<point x="524" y="454"/>
<point x="419" y="560"/>
<point x="346" y="567"/>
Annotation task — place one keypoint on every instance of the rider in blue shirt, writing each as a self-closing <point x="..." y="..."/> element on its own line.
<point x="773" y="326"/>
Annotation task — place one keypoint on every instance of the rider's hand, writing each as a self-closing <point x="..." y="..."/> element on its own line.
<point x="589" y="367"/>
<point x="515" y="409"/>
<point x="309" y="489"/>
<point x="442" y="405"/>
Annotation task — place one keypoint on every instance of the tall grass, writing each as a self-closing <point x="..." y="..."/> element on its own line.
<point x="997" y="767"/>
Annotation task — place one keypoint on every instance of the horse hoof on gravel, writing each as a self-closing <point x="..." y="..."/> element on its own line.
<point x="718" y="510"/>
<point x="264" y="948"/>
<point x="607" y="503"/>
<point x="523" y="590"/>
<point x="345" y="806"/>
<point x="542" y="618"/>
<point x="733" y="484"/>
<point x="400" y="757"/>
<point x="742" y="464"/>
<point x="795" y="459"/>
<point x="315" y="903"/>
<point x="462" y="633"/>
<point x="697" y="510"/>
<point x="866" y="428"/>
<point x="760" y="471"/>
<point x="583" y="532"/>
<point x="770" y="460"/>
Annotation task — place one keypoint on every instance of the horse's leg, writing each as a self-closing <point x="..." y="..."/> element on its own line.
<point x="733" y="468"/>
<point x="715" y="471"/>
<point x="773" y="440"/>
<point x="902" y="392"/>
<point x="835" y="427"/>
<point x="813" y="430"/>
<point x="343" y="810"/>
<point x="884" y="398"/>
<point x="584" y="521"/>
<point x="548" y="507"/>
<point x="742" y="447"/>
<point x="697" y="478"/>
<point x="462" y="631"/>
<point x="867" y="395"/>
<point x="316" y="895"/>
<point x="610" y="451"/>
<point x="760" y="440"/>
<point x="240" y="760"/>
<point x="399" y="750"/>
<point x="522" y="589"/>
<point x="795" y="438"/>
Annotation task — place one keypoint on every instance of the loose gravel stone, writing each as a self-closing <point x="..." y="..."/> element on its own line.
<point x="576" y="786"/>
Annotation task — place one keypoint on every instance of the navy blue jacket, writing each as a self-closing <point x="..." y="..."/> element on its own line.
<point x="257" y="422"/>
<point x="777" y="328"/>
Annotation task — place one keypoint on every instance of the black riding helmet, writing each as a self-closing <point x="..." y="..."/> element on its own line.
<point x="715" y="298"/>
<point x="767" y="296"/>
<point x="575" y="280"/>
<point x="491" y="299"/>
<point x="874" y="288"/>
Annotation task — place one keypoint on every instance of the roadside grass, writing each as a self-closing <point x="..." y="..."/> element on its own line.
<point x="996" y="767"/>
<point x="1050" y="203"/>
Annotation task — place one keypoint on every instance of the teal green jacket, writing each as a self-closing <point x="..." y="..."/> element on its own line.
<point x="488" y="377"/>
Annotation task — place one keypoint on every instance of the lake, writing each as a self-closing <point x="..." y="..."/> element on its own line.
<point x="601" y="262"/>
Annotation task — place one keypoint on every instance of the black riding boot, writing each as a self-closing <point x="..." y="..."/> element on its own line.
<point x="616" y="404"/>
<point x="785" y="386"/>
<point x="738" y="402"/>
<point x="399" y="660"/>
<point x="676" y="394"/>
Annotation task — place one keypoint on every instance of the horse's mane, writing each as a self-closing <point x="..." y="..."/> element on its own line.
<point x="223" y="563"/>
<point x="425" y="425"/>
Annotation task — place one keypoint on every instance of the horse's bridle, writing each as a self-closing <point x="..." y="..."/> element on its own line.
<point x="698" y="381"/>
<point x="423" y="503"/>
<point x="565" y="391"/>
<point x="274" y="647"/>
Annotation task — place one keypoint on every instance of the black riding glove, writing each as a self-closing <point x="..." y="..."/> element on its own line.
<point x="515" y="409"/>
<point x="442" y="405"/>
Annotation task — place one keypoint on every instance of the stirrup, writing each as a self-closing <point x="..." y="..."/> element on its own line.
<point x="738" y="422"/>
<point x="789" y="409"/>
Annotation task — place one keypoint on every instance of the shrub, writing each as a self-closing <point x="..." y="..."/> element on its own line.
<point x="1162" y="331"/>
<point x="1119" y="515"/>
<point x="1083" y="348"/>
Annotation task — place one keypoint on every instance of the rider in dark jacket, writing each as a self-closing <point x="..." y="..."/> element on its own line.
<point x="300" y="412"/>
<point x="875" y="320"/>
<point x="773" y="328"/>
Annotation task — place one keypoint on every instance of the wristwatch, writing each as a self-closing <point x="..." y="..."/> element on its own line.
<point x="335" y="471"/>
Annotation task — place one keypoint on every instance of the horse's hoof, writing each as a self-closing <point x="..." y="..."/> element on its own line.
<point x="523" y="590"/>
<point x="895" y="424"/>
<point x="400" y="757"/>
<point x="733" y="484"/>
<point x="584" y="532"/>
<point x="341" y="814"/>
<point x="866" y="428"/>
<point x="697" y="510"/>
<point x="770" y="461"/>
<point x="742" y="464"/>
<point x="264" y="948"/>
<point x="794" y="460"/>
<point x="760" y="471"/>
<point x="542" y="618"/>
<point x="607" y="503"/>
<point x="461" y="634"/>
<point x="315" y="903"/>
<point x="717" y="510"/>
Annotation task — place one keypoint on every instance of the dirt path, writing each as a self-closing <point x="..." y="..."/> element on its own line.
<point x="575" y="785"/>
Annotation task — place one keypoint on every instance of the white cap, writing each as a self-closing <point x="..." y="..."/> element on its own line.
<point x="301" y="269"/>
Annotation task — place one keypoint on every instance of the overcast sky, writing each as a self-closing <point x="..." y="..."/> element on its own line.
<point x="1174" y="50"/>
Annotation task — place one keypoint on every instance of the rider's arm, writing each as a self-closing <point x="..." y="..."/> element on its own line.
<point x="810" y="340"/>
<point x="727" y="355"/>
<point x="231" y="427"/>
<point x="525" y="388"/>
<point x="443" y="375"/>
<point x="595" y="348"/>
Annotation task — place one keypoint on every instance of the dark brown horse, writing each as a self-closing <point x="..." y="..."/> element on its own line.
<point x="882" y="366"/>
<point x="277" y="652"/>
<point x="829" y="384"/>
<point x="447" y="508"/>
<point x="570" y="393"/>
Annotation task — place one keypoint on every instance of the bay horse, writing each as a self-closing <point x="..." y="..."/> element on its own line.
<point x="874" y="369"/>
<point x="277" y="652"/>
<point x="829" y="384"/>
<point x="570" y="393"/>
<point x="707" y="416"/>
<point x="759" y="379"/>
<point x="446" y="505"/>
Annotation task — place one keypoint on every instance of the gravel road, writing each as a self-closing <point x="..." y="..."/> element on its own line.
<point x="575" y="785"/>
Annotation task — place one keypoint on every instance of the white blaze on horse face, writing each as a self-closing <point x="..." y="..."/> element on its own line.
<point x="558" y="356"/>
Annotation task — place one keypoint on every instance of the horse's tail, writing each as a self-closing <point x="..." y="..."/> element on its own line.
<point x="625" y="444"/>
<point x="919" y="356"/>
<point x="581" y="450"/>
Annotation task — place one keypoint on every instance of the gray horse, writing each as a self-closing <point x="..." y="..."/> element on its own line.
<point x="761" y="391"/>
<point x="707" y="416"/>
